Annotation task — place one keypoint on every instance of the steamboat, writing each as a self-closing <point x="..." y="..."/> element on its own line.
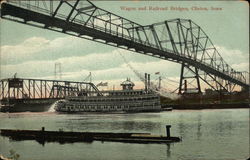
<point x="125" y="100"/>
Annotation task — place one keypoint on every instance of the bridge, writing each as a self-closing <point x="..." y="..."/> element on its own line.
<point x="177" y="40"/>
<point x="19" y="88"/>
<point x="18" y="91"/>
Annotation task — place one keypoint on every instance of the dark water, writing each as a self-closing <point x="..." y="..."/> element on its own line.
<point x="206" y="134"/>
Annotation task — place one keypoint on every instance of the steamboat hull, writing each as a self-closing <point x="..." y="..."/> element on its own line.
<point x="111" y="112"/>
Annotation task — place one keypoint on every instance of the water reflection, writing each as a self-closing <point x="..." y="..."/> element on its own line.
<point x="126" y="126"/>
<point x="222" y="128"/>
<point x="181" y="126"/>
<point x="168" y="150"/>
<point x="199" y="133"/>
<point x="112" y="122"/>
<point x="224" y="125"/>
<point x="206" y="134"/>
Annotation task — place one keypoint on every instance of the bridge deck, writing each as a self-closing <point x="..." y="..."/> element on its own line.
<point x="111" y="38"/>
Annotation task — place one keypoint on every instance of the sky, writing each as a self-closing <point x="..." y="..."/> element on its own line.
<point x="32" y="52"/>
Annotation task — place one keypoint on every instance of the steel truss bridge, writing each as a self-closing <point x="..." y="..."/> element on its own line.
<point x="177" y="40"/>
<point x="18" y="88"/>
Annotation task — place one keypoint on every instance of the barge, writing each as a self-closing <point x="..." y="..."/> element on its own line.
<point x="43" y="136"/>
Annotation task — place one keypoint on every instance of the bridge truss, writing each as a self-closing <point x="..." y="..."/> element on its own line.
<point x="18" y="88"/>
<point x="177" y="40"/>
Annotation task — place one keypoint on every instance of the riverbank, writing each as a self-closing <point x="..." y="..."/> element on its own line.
<point x="203" y="101"/>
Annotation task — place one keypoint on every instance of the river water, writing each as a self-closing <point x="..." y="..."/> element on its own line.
<point x="206" y="135"/>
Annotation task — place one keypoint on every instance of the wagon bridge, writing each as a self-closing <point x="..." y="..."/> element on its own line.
<point x="177" y="40"/>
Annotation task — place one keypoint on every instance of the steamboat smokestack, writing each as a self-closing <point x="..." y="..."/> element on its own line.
<point x="148" y="81"/>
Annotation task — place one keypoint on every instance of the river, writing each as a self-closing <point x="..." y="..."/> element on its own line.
<point x="206" y="135"/>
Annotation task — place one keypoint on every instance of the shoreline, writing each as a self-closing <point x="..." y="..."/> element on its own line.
<point x="207" y="106"/>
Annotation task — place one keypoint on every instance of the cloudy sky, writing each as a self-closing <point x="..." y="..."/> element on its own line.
<point x="32" y="52"/>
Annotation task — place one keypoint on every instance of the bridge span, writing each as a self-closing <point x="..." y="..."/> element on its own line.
<point x="38" y="94"/>
<point x="19" y="88"/>
<point x="177" y="40"/>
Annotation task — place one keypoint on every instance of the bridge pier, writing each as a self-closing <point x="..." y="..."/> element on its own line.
<point x="183" y="87"/>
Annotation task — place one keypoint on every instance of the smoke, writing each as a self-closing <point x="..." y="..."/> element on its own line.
<point x="166" y="94"/>
<point x="162" y="92"/>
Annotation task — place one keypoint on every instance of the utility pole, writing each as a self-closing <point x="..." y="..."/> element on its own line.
<point x="58" y="70"/>
<point x="90" y="77"/>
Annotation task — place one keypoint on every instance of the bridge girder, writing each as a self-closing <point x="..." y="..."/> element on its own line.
<point x="177" y="40"/>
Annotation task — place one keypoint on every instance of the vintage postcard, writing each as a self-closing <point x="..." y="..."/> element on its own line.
<point x="124" y="80"/>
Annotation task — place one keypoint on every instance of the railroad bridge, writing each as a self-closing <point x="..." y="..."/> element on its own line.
<point x="19" y="88"/>
<point x="17" y="91"/>
<point x="177" y="40"/>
